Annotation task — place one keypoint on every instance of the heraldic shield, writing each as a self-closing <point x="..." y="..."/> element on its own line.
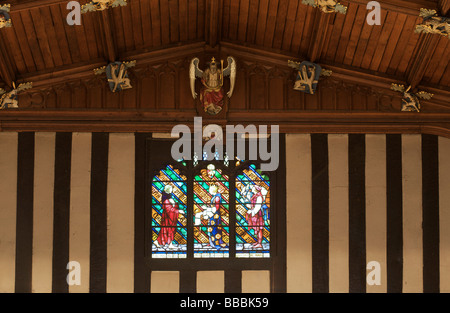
<point x="117" y="76"/>
<point x="307" y="77"/>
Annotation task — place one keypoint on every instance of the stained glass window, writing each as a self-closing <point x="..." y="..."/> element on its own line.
<point x="208" y="208"/>
<point x="169" y="204"/>
<point x="211" y="213"/>
<point x="252" y="214"/>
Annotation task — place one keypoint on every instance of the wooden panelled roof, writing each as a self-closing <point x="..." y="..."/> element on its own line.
<point x="41" y="40"/>
<point x="42" y="43"/>
<point x="162" y="35"/>
<point x="288" y="26"/>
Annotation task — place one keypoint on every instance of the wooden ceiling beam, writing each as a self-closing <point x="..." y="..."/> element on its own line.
<point x="344" y="73"/>
<point x="290" y="122"/>
<point x="213" y="21"/>
<point x="320" y="29"/>
<point x="21" y="5"/>
<point x="424" y="52"/>
<point x="109" y="45"/>
<point x="238" y="116"/>
<point x="44" y="79"/>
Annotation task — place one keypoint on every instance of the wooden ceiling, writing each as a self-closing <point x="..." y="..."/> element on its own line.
<point x="289" y="26"/>
<point x="164" y="35"/>
<point x="41" y="41"/>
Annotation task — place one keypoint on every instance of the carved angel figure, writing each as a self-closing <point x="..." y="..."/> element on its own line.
<point x="211" y="93"/>
<point x="410" y="101"/>
<point x="101" y="5"/>
<point x="9" y="100"/>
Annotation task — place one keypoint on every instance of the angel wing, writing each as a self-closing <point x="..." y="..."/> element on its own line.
<point x="230" y="70"/>
<point x="231" y="65"/>
<point x="194" y="72"/>
<point x="294" y="64"/>
<point x="2" y="91"/>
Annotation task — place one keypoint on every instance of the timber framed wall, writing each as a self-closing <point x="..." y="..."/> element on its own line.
<point x="381" y="189"/>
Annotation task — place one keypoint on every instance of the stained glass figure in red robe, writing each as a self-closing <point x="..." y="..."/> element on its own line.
<point x="169" y="219"/>
<point x="256" y="213"/>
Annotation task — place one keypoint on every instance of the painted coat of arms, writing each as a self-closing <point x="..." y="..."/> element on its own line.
<point x="117" y="75"/>
<point x="212" y="95"/>
<point x="308" y="75"/>
<point x="410" y="101"/>
<point x="9" y="100"/>
<point x="5" y="19"/>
